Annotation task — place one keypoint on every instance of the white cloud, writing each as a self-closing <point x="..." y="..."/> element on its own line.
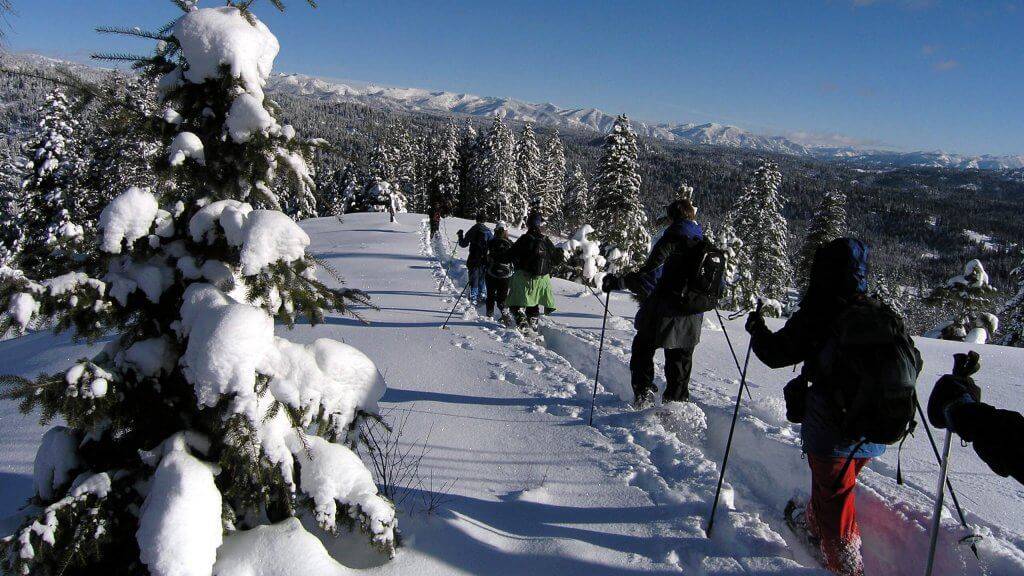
<point x="946" y="65"/>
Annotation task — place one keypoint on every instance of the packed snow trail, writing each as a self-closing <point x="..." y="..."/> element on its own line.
<point x="766" y="466"/>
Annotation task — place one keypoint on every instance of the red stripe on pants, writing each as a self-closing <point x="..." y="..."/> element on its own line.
<point x="832" y="513"/>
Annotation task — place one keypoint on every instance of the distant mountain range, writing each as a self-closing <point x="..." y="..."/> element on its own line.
<point x="711" y="134"/>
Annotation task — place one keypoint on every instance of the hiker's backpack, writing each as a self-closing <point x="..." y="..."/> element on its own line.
<point x="537" y="258"/>
<point x="478" y="245"/>
<point x="706" y="283"/>
<point x="496" y="268"/>
<point x="870" y="365"/>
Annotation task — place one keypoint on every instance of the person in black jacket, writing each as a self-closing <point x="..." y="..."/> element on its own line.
<point x="838" y="282"/>
<point x="476" y="264"/>
<point x="534" y="256"/>
<point x="997" y="435"/>
<point x="661" y="321"/>
<point x="499" y="273"/>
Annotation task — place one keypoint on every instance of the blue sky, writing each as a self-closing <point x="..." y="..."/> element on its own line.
<point x="908" y="74"/>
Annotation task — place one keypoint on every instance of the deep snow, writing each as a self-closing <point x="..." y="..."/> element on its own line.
<point x="534" y="488"/>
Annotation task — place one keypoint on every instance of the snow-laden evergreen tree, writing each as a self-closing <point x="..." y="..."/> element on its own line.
<point x="552" y="187"/>
<point x="576" y="201"/>
<point x="196" y="424"/>
<point x="763" y="261"/>
<point x="529" y="194"/>
<point x="50" y="230"/>
<point x="1013" y="311"/>
<point x="407" y="153"/>
<point x="726" y="238"/>
<point x="10" y="210"/>
<point x="827" y="224"/>
<point x="496" y="174"/>
<point x="383" y="162"/>
<point x="444" y="180"/>
<point x="969" y="299"/>
<point x="419" y="189"/>
<point x="617" y="211"/>
<point x="469" y="172"/>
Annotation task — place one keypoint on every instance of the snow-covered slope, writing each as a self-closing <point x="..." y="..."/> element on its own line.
<point x="535" y="490"/>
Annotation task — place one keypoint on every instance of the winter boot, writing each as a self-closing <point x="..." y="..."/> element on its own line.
<point x="643" y="400"/>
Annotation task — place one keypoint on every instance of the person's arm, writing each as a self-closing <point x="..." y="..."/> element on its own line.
<point x="788" y="346"/>
<point x="659" y="254"/>
<point x="997" y="436"/>
<point x="557" y="254"/>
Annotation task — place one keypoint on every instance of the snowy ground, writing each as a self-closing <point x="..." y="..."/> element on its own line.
<point x="536" y="490"/>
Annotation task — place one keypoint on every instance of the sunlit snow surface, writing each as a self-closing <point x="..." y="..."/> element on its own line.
<point x="538" y="491"/>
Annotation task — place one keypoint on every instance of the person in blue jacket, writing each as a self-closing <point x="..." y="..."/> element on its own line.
<point x="661" y="321"/>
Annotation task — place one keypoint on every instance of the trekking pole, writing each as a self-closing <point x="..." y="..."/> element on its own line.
<point x="937" y="511"/>
<point x="728" y="443"/>
<point x="732" y="350"/>
<point x="459" y="299"/>
<point x="972" y="538"/>
<point x="600" y="350"/>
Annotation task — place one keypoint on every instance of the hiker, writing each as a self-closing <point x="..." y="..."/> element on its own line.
<point x="662" y="320"/>
<point x="823" y="334"/>
<point x="955" y="403"/>
<point x="499" y="273"/>
<point x="534" y="256"/>
<point x="435" y="222"/>
<point x="476" y="240"/>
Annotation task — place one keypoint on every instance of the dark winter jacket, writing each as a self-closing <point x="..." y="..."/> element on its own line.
<point x="496" y="248"/>
<point x="476" y="240"/>
<point x="836" y="282"/>
<point x="533" y="254"/>
<point x="996" y="435"/>
<point x="660" y="281"/>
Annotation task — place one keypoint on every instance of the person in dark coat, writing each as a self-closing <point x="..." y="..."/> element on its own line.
<point x="476" y="264"/>
<point x="955" y="403"/>
<point x="499" y="273"/>
<point x="661" y="321"/>
<point x="435" y="222"/>
<point x="838" y="280"/>
<point x="534" y="256"/>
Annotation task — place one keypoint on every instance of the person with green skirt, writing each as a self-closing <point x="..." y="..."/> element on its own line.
<point x="534" y="256"/>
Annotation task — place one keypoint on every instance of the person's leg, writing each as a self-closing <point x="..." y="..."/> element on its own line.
<point x="678" y="364"/>
<point x="533" y="313"/>
<point x="641" y="363"/>
<point x="832" y="513"/>
<point x="492" y="296"/>
<point x="501" y="286"/>
<point x="520" y="318"/>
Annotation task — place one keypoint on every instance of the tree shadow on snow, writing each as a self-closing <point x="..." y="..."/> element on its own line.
<point x="15" y="490"/>
<point x="399" y="396"/>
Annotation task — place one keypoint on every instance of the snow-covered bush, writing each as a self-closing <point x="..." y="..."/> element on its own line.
<point x="196" y="424"/>
<point x="584" y="262"/>
<point x="968" y="297"/>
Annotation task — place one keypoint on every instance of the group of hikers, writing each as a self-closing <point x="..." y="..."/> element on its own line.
<point x="514" y="278"/>
<point x="854" y="395"/>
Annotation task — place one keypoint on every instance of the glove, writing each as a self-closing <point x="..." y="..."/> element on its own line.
<point x="459" y="233"/>
<point x="610" y="283"/>
<point x="755" y="322"/>
<point x="954" y="389"/>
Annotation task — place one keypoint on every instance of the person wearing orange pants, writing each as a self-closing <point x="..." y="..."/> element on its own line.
<point x="832" y="512"/>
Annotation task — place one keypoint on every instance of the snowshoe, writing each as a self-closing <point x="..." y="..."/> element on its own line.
<point x="796" y="519"/>
<point x="643" y="400"/>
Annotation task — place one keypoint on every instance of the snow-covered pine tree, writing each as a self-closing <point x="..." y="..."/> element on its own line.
<point x="969" y="297"/>
<point x="528" y="196"/>
<point x="383" y="162"/>
<point x="725" y="238"/>
<point x="827" y="224"/>
<point x="763" y="261"/>
<point x="418" y="193"/>
<point x="50" y="229"/>
<point x="553" y="181"/>
<point x="10" y="210"/>
<point x="470" y="147"/>
<point x="1013" y="332"/>
<point x="496" y="173"/>
<point x="443" y="191"/>
<point x="617" y="210"/>
<point x="576" y="200"/>
<point x="196" y="424"/>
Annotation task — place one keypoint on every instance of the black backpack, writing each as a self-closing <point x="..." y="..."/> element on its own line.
<point x="871" y="367"/>
<point x="496" y="268"/>
<point x="536" y="261"/>
<point x="706" y="283"/>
